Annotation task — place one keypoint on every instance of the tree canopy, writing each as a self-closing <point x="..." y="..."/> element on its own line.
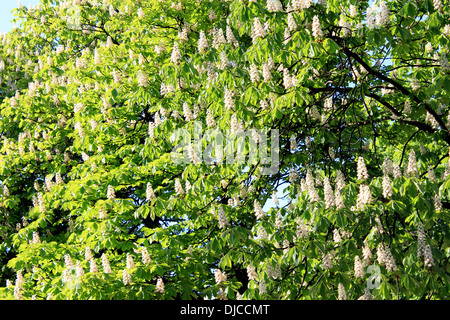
<point x="97" y="97"/>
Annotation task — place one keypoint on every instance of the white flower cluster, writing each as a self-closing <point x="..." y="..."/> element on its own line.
<point x="231" y="39"/>
<point x="445" y="65"/>
<point x="271" y="272"/>
<point x="327" y="260"/>
<point x="176" y="54"/>
<point x="126" y="278"/>
<point x="202" y="42"/>
<point x="259" y="212"/>
<point x="224" y="62"/>
<point x="193" y="154"/>
<point x="361" y="170"/>
<point x="223" y="221"/>
<point x="178" y="187"/>
<point x="328" y="193"/>
<point x="367" y="254"/>
<point x="257" y="30"/>
<point x="312" y="192"/>
<point x="110" y="194"/>
<point x="251" y="272"/>
<point x="437" y="5"/>
<point x="219" y="276"/>
<point x="367" y="295"/>
<point x="411" y="169"/>
<point x="364" y="196"/>
<point x="274" y="5"/>
<point x="336" y="237"/>
<point x="387" y="187"/>
<point x="316" y="28"/>
<point x="301" y="4"/>
<point x="342" y="295"/>
<point x="446" y="30"/>
<point x="359" y="270"/>
<point x="384" y="256"/>
<point x="35" y="239"/>
<point x="292" y="25"/>
<point x="302" y="230"/>
<point x="228" y="99"/>
<point x="377" y="16"/>
<point x="424" y="249"/>
<point x="18" y="287"/>
<point x="142" y="78"/>
<point x="105" y="264"/>
<point x="149" y="194"/>
<point x="254" y="73"/>
<point x="160" y="286"/>
<point x="289" y="80"/>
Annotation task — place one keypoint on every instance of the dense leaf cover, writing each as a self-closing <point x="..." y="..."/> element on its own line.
<point x="95" y="207"/>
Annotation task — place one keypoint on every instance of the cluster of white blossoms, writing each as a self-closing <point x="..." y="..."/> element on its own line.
<point x="18" y="287"/>
<point x="342" y="295"/>
<point x="384" y="257"/>
<point x="126" y="277"/>
<point x="105" y="264"/>
<point x="145" y="256"/>
<point x="328" y="193"/>
<point x="35" y="239"/>
<point x="259" y="212"/>
<point x="176" y="54"/>
<point x="267" y="68"/>
<point x="359" y="270"/>
<point x="289" y="80"/>
<point x="102" y="213"/>
<point x="364" y="196"/>
<point x="257" y="30"/>
<point x="149" y="193"/>
<point x="367" y="295"/>
<point x="254" y="73"/>
<point x="312" y="192"/>
<point x="221" y="216"/>
<point x="361" y="169"/>
<point x="327" y="260"/>
<point x="411" y="169"/>
<point x="178" y="187"/>
<point x="302" y="230"/>
<point x="316" y="28"/>
<point x="110" y="193"/>
<point x="292" y="25"/>
<point x="193" y="154"/>
<point x="202" y="44"/>
<point x="274" y="5"/>
<point x="437" y="5"/>
<point x="251" y="273"/>
<point x="219" y="276"/>
<point x="387" y="187"/>
<point x="130" y="261"/>
<point x="424" y="249"/>
<point x="142" y="78"/>
<point x="377" y="16"/>
<point x="271" y="272"/>
<point x="160" y="286"/>
<point x="445" y="65"/>
<point x="367" y="254"/>
<point x="301" y="4"/>
<point x="228" y="99"/>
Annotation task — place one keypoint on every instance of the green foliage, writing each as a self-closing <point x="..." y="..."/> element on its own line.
<point x="92" y="94"/>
